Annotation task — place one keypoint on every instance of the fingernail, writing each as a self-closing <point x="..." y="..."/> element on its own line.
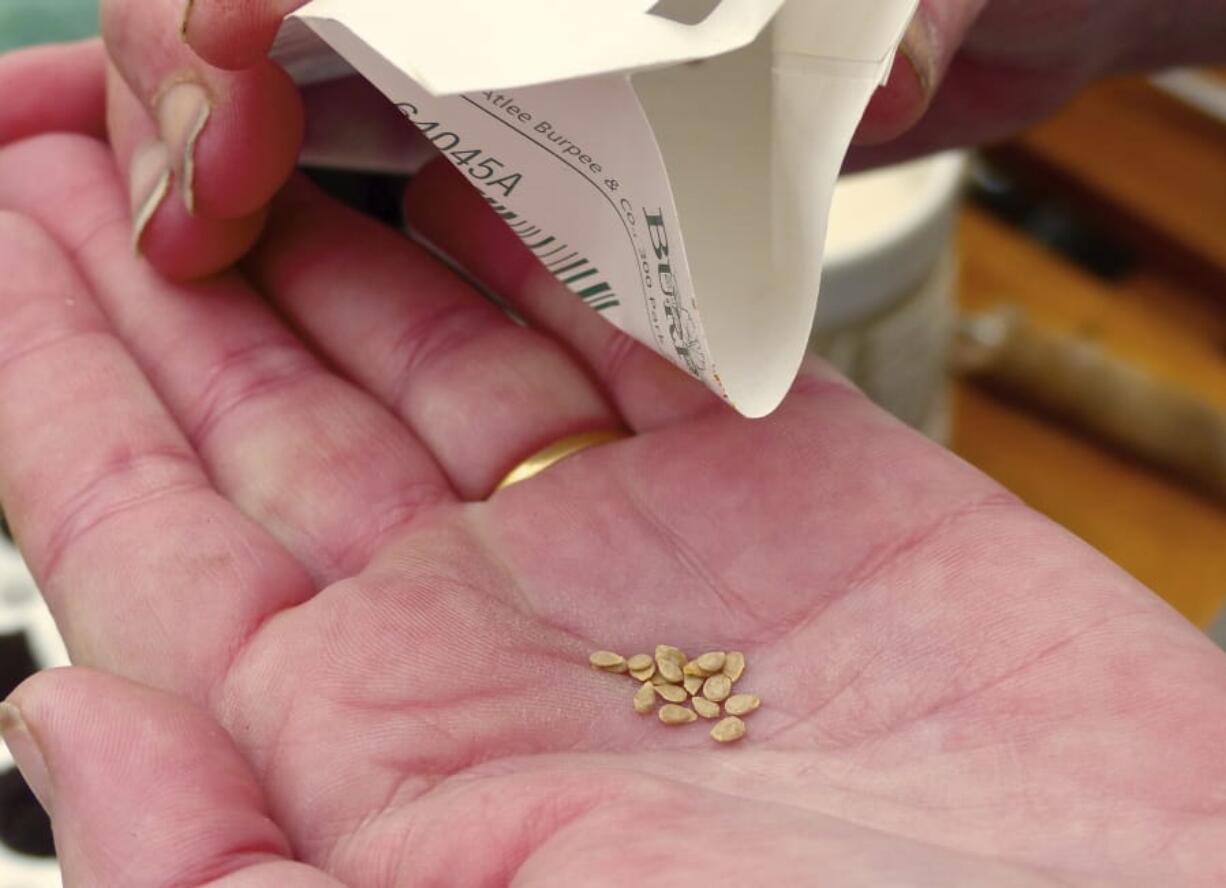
<point x="25" y="752"/>
<point x="187" y="14"/>
<point x="183" y="111"/>
<point x="919" y="48"/>
<point x="149" y="183"/>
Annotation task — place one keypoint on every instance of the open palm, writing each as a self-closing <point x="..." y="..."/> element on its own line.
<point x="291" y="531"/>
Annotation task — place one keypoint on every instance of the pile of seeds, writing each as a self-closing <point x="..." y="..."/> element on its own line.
<point x="704" y="682"/>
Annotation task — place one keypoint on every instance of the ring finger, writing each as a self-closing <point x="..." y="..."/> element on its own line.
<point x="481" y="391"/>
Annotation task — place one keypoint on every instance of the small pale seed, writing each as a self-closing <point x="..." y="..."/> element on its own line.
<point x="672" y="714"/>
<point x="645" y="699"/>
<point x="692" y="668"/>
<point x="728" y="730"/>
<point x="669" y="669"/>
<point x="644" y="674"/>
<point x="672" y="693"/>
<point x="658" y="679"/>
<point x="639" y="662"/>
<point x="717" y="688"/>
<point x="668" y="652"/>
<point x="693" y="684"/>
<point x="734" y="665"/>
<point x="742" y="704"/>
<point x="705" y="707"/>
<point x="608" y="661"/>
<point x="712" y="661"/>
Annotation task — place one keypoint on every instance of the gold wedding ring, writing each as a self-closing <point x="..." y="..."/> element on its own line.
<point x="556" y="452"/>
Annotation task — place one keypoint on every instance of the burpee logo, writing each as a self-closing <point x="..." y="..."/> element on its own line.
<point x="681" y="327"/>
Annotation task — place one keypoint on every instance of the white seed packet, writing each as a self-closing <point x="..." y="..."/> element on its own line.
<point x="672" y="163"/>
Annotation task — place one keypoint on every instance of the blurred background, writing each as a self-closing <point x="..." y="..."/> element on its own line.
<point x="1053" y="309"/>
<point x="1057" y="317"/>
<point x="23" y="22"/>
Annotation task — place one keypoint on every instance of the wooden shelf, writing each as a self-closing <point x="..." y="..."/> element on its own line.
<point x="1170" y="537"/>
<point x="1151" y="172"/>
<point x="1152" y="169"/>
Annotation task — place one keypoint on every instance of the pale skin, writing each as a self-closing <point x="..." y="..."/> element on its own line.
<point x="312" y="653"/>
<point x="366" y="668"/>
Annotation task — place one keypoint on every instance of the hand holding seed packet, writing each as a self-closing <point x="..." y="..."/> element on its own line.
<point x="1029" y="57"/>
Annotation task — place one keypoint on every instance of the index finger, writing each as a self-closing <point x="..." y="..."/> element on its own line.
<point x="149" y="572"/>
<point x="232" y="136"/>
<point x="234" y="33"/>
<point x="928" y="49"/>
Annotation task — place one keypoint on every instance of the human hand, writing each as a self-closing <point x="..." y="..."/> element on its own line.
<point x="204" y="148"/>
<point x="265" y="495"/>
<point x="975" y="71"/>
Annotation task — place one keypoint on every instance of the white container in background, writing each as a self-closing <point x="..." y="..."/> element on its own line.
<point x="888" y="306"/>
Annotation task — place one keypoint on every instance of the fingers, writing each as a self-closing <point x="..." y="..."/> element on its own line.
<point x="231" y="137"/>
<point x="979" y="103"/>
<point x="931" y="42"/>
<point x="234" y="33"/>
<point x="144" y="789"/>
<point x="180" y="245"/>
<point x="321" y="465"/>
<point x="645" y="389"/>
<point x="479" y="390"/>
<point x="59" y="88"/>
<point x="148" y="571"/>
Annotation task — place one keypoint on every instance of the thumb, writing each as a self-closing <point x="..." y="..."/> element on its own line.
<point x="143" y="789"/>
<point x="933" y="39"/>
<point x="233" y="33"/>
